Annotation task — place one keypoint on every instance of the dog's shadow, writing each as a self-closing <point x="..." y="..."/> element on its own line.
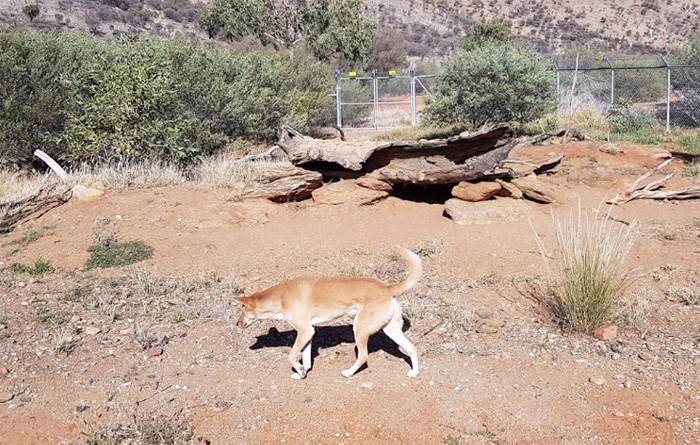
<point x="331" y="336"/>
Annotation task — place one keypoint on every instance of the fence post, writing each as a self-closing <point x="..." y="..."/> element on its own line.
<point x="376" y="99"/>
<point x="413" y="96"/>
<point x="668" y="93"/>
<point x="612" y="80"/>
<point x="556" y="68"/>
<point x="338" y="101"/>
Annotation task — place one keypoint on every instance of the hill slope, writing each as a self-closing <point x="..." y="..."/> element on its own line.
<point x="430" y="27"/>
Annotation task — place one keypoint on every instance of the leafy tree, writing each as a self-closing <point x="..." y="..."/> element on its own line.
<point x="85" y="99"/>
<point x="493" y="84"/>
<point x="325" y="27"/>
<point x="488" y="32"/>
<point x="31" y="11"/>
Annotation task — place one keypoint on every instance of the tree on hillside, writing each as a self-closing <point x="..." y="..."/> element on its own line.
<point x="31" y="11"/>
<point x="488" y="32"/>
<point x="326" y="27"/>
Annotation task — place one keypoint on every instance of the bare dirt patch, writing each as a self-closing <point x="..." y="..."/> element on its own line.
<point x="122" y="350"/>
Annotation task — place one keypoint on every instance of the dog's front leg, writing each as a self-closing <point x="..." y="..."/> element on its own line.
<point x="302" y="343"/>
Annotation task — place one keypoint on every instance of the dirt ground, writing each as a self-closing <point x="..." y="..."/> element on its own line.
<point x="151" y="352"/>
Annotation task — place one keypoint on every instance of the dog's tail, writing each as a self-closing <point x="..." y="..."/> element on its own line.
<point x="415" y="271"/>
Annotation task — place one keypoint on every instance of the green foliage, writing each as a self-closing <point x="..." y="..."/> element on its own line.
<point x="126" y="107"/>
<point x="88" y="100"/>
<point x="492" y="84"/>
<point x="34" y="102"/>
<point x="488" y="33"/>
<point x="326" y="27"/>
<point x="31" y="11"/>
<point x="118" y="254"/>
<point x="39" y="267"/>
<point x="686" y="81"/>
<point x="623" y="119"/>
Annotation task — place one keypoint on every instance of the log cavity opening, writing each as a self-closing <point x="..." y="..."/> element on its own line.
<point x="431" y="194"/>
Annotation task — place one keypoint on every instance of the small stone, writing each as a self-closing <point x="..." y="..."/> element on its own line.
<point x="4" y="371"/>
<point x="75" y="319"/>
<point x="644" y="356"/>
<point x="81" y="408"/>
<point x="92" y="330"/>
<point x="494" y="322"/>
<point x="155" y="351"/>
<point x="367" y="385"/>
<point x="125" y="332"/>
<point x="547" y="357"/>
<point x="597" y="381"/>
<point x="486" y="329"/>
<point x="6" y="397"/>
<point x="606" y="333"/>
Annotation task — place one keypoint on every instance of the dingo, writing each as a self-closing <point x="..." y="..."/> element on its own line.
<point x="305" y="302"/>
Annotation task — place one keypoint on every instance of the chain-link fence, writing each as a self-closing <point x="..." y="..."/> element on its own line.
<point x="631" y="97"/>
<point x="380" y="101"/>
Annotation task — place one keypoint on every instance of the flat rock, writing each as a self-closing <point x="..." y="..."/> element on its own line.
<point x="155" y="351"/>
<point x="346" y="192"/>
<point x="606" y="333"/>
<point x="480" y="191"/>
<point x="6" y="396"/>
<point x="279" y="182"/>
<point x="486" y="212"/>
<point x="372" y="183"/>
<point x="509" y="190"/>
<point x="535" y="189"/>
<point x="92" y="330"/>
<point x="85" y="193"/>
<point x="600" y="381"/>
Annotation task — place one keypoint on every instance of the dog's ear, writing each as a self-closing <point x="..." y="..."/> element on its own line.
<point x="243" y="300"/>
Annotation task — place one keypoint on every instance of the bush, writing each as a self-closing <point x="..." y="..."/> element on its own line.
<point x="493" y="84"/>
<point x="88" y="100"/>
<point x="117" y="254"/>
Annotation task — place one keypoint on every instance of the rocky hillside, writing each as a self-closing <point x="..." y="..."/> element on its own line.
<point x="431" y="28"/>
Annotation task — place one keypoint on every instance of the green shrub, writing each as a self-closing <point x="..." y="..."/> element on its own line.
<point x="39" y="267"/>
<point x="623" y="119"/>
<point x="492" y="84"/>
<point x="118" y="254"/>
<point x="85" y="99"/>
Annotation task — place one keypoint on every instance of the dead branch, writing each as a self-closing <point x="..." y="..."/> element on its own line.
<point x="651" y="190"/>
<point x="45" y="197"/>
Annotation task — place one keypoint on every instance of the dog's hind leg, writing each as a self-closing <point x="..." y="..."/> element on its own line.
<point x="364" y="326"/>
<point x="301" y="344"/>
<point x="394" y="331"/>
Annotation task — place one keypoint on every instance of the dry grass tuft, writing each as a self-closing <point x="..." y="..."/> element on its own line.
<point x="591" y="278"/>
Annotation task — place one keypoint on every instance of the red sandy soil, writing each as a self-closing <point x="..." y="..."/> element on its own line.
<point x="525" y="380"/>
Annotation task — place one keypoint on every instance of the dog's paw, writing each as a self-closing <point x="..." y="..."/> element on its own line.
<point x="347" y="373"/>
<point x="413" y="373"/>
<point x="296" y="376"/>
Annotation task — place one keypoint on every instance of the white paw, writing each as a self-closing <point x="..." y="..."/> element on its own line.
<point x="413" y="373"/>
<point x="296" y="376"/>
<point x="347" y="373"/>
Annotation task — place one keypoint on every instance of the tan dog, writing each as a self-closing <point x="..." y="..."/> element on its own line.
<point x="305" y="302"/>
